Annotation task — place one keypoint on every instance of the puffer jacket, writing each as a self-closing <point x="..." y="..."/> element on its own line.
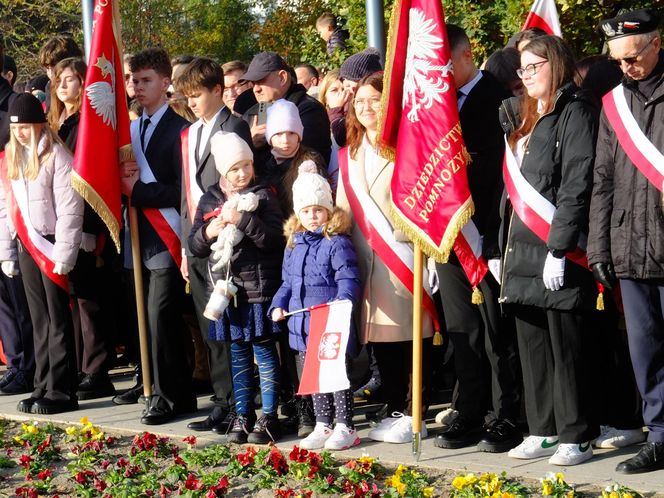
<point x="55" y="209"/>
<point x="317" y="270"/>
<point x="626" y="217"/>
<point x="256" y="260"/>
<point x="558" y="163"/>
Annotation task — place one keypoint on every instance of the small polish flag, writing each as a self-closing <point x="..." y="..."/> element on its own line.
<point x="325" y="362"/>
<point x="543" y="14"/>
<point x="631" y="24"/>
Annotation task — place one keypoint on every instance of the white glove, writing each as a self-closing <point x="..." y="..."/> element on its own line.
<point x="62" y="268"/>
<point x="88" y="242"/>
<point x="495" y="268"/>
<point x="9" y="268"/>
<point x="554" y="272"/>
<point x="434" y="283"/>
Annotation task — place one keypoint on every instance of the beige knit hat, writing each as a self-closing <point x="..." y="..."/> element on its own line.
<point x="229" y="149"/>
<point x="311" y="189"/>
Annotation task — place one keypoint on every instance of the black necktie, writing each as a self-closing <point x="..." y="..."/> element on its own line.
<point x="145" y="123"/>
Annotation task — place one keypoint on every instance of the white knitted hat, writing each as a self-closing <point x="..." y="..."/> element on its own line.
<point x="311" y="189"/>
<point x="228" y="149"/>
<point x="282" y="116"/>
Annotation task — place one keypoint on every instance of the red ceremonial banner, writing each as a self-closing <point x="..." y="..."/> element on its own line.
<point x="430" y="194"/>
<point x="544" y="15"/>
<point x="103" y="132"/>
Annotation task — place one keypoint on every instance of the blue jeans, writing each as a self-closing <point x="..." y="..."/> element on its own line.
<point x="242" y="368"/>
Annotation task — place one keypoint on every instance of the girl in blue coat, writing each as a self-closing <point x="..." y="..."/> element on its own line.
<point x="320" y="265"/>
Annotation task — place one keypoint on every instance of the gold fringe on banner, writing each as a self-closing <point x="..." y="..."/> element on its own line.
<point x="437" y="338"/>
<point x="91" y="196"/>
<point x="600" y="301"/>
<point x="478" y="297"/>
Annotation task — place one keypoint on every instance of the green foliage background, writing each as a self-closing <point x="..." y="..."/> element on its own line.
<point x="236" y="29"/>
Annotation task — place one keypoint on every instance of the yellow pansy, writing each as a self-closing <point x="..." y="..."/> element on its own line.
<point x="614" y="494"/>
<point x="401" y="488"/>
<point x="628" y="495"/>
<point x="570" y="494"/>
<point x="71" y="430"/>
<point x="459" y="482"/>
<point x="560" y="477"/>
<point x="84" y="420"/>
<point x="547" y="488"/>
<point x="427" y="492"/>
<point x="18" y="439"/>
<point x="471" y="479"/>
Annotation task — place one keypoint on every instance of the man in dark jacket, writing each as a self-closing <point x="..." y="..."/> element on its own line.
<point x="480" y="332"/>
<point x="273" y="79"/>
<point x="626" y="239"/>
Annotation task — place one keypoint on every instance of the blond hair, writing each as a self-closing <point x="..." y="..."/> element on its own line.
<point x="338" y="223"/>
<point x="17" y="166"/>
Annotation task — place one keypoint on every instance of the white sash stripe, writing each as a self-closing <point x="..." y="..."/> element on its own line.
<point x="21" y="196"/>
<point x="194" y="190"/>
<point x="147" y="176"/>
<point x="473" y="238"/>
<point x="644" y="145"/>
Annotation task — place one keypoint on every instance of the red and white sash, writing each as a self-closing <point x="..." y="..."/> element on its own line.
<point x="641" y="151"/>
<point x="192" y="190"/>
<point x="376" y="228"/>
<point x="468" y="250"/>
<point x="165" y="221"/>
<point x="39" y="248"/>
<point x="532" y="208"/>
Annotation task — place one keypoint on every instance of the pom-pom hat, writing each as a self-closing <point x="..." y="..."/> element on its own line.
<point x="311" y="189"/>
<point x="228" y="149"/>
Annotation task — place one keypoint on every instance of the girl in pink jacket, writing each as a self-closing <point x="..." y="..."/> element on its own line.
<point x="41" y="217"/>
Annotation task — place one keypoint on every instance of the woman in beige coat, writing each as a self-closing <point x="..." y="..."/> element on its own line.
<point x="386" y="312"/>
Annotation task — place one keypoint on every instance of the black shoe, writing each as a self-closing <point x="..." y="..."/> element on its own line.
<point x="130" y="396"/>
<point x="21" y="383"/>
<point x="97" y="385"/>
<point x="225" y="425"/>
<point x="25" y="405"/>
<point x="240" y="429"/>
<point x="157" y="414"/>
<point x="461" y="433"/>
<point x="7" y="377"/>
<point x="500" y="435"/>
<point x="216" y="418"/>
<point x="650" y="457"/>
<point x="306" y="420"/>
<point x="47" y="406"/>
<point x="266" y="430"/>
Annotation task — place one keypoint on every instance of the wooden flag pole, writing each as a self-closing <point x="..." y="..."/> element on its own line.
<point x="417" y="353"/>
<point x="140" y="304"/>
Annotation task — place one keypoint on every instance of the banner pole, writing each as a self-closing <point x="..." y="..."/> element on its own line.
<point x="417" y="352"/>
<point x="140" y="305"/>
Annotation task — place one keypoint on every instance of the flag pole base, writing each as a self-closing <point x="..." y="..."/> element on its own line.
<point x="417" y="445"/>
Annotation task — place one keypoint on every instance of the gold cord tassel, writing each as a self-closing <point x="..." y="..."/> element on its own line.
<point x="478" y="297"/>
<point x="437" y="339"/>
<point x="600" y="301"/>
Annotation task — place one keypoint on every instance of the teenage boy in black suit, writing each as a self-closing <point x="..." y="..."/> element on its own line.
<point x="202" y="82"/>
<point x="480" y="332"/>
<point x="152" y="185"/>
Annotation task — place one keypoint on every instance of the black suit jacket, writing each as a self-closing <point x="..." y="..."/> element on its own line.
<point x="483" y="136"/>
<point x="163" y="155"/>
<point x="206" y="170"/>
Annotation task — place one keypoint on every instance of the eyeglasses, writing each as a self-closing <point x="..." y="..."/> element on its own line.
<point x="530" y="69"/>
<point x="633" y="59"/>
<point x="374" y="102"/>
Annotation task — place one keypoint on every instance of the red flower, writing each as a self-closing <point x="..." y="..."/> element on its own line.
<point x="26" y="492"/>
<point x="278" y="461"/>
<point x="100" y="485"/>
<point x="178" y="461"/>
<point x="164" y="491"/>
<point x="284" y="493"/>
<point x="25" y="460"/>
<point x="247" y="458"/>
<point x="110" y="440"/>
<point x="298" y="455"/>
<point x="45" y="444"/>
<point x="351" y="464"/>
<point x="221" y="488"/>
<point x="330" y="479"/>
<point x="104" y="464"/>
<point x="132" y="470"/>
<point x="44" y="474"/>
<point x="9" y="451"/>
<point x="122" y="463"/>
<point x="190" y="440"/>
<point x="192" y="483"/>
<point x="82" y="476"/>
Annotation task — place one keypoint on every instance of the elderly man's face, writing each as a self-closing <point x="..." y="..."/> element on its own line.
<point x="273" y="87"/>
<point x="636" y="54"/>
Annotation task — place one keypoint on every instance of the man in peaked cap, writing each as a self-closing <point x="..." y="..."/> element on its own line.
<point x="626" y="240"/>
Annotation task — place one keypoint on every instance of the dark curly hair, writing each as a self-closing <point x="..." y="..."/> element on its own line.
<point x="151" y="58"/>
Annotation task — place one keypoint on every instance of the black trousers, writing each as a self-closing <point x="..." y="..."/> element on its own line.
<point x="485" y="353"/>
<point x="53" y="332"/>
<point x="16" y="325"/>
<point x="644" y="313"/>
<point x="557" y="381"/>
<point x="395" y="360"/>
<point x="92" y="332"/>
<point x="219" y="354"/>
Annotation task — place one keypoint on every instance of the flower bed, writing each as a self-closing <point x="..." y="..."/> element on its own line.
<point x="83" y="461"/>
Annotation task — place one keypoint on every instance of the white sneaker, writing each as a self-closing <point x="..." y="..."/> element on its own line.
<point x="447" y="416"/>
<point x="342" y="438"/>
<point x="402" y="431"/>
<point x="618" y="438"/>
<point x="571" y="454"/>
<point x="317" y="439"/>
<point x="535" y="447"/>
<point x="378" y="432"/>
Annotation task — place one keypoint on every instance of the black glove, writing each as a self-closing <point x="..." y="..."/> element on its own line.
<point x="604" y="274"/>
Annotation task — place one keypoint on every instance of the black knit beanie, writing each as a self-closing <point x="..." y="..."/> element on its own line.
<point x="359" y="65"/>
<point x="26" y="108"/>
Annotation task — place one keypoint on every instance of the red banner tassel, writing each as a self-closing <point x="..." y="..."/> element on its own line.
<point x="600" y="297"/>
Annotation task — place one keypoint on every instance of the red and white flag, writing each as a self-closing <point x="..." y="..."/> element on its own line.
<point x="325" y="361"/>
<point x="103" y="132"/>
<point x="544" y="15"/>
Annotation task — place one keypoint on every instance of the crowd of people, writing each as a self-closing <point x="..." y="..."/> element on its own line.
<point x="261" y="190"/>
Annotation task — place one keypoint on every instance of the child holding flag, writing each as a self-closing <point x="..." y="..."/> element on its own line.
<point x="40" y="208"/>
<point x="320" y="265"/>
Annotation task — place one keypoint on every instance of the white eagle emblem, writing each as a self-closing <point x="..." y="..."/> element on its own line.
<point x="102" y="94"/>
<point x="329" y="347"/>
<point x="421" y="87"/>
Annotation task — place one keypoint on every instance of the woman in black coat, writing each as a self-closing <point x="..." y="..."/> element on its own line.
<point x="546" y="284"/>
